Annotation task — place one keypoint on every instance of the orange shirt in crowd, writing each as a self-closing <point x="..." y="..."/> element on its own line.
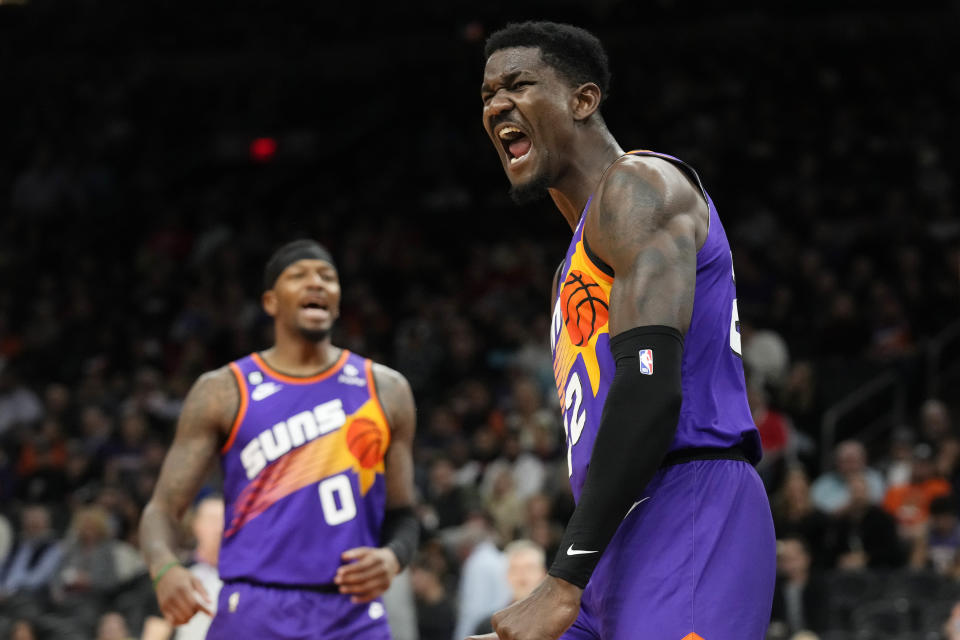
<point x="910" y="503"/>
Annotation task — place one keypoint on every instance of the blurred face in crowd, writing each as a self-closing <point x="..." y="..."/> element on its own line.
<point x="36" y="522"/>
<point x="793" y="561"/>
<point x="859" y="491"/>
<point x="526" y="113"/>
<point x="112" y="627"/>
<point x="851" y="458"/>
<point x="526" y="568"/>
<point x="305" y="299"/>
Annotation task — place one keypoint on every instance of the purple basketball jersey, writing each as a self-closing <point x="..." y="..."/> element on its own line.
<point x="714" y="412"/>
<point x="303" y="472"/>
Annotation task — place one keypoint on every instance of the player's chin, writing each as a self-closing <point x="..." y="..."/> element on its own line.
<point x="532" y="189"/>
<point x="314" y="333"/>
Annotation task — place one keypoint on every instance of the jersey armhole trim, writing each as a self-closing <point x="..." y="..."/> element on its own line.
<point x="241" y="411"/>
<point x="604" y="270"/>
<point x="375" y="396"/>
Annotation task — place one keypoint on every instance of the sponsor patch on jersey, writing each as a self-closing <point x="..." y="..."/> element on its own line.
<point x="646" y="362"/>
<point x="265" y="390"/>
<point x="351" y="375"/>
<point x="376" y="611"/>
<point x="255" y="377"/>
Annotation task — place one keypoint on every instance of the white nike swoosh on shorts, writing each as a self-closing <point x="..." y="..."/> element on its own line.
<point x="577" y="552"/>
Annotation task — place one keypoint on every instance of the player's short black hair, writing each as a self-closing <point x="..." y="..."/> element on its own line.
<point x="575" y="53"/>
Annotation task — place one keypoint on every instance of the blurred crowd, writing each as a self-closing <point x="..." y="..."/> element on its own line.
<point x="133" y="235"/>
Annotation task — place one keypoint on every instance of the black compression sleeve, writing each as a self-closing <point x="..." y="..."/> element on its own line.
<point x="637" y="425"/>
<point x="401" y="532"/>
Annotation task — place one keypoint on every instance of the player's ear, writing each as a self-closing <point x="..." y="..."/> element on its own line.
<point x="585" y="101"/>
<point x="269" y="301"/>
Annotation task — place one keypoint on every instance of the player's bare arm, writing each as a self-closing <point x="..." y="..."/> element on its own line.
<point x="647" y="224"/>
<point x="208" y="412"/>
<point x="368" y="571"/>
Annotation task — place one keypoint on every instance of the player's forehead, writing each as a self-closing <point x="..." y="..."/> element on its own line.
<point x="309" y="264"/>
<point x="512" y="61"/>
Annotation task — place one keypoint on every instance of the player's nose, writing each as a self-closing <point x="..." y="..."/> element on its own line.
<point x="498" y="104"/>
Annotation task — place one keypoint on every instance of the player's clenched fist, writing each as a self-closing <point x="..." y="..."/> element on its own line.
<point x="368" y="572"/>
<point x="543" y="615"/>
<point x="180" y="594"/>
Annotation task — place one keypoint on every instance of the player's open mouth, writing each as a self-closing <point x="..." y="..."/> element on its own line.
<point x="315" y="310"/>
<point x="516" y="144"/>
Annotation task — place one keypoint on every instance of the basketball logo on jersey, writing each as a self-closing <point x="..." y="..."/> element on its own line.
<point x="585" y="308"/>
<point x="646" y="362"/>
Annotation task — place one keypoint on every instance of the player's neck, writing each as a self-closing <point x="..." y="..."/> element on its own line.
<point x="594" y="151"/>
<point x="300" y="357"/>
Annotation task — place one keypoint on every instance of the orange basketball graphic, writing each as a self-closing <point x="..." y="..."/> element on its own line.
<point x="585" y="310"/>
<point x="364" y="439"/>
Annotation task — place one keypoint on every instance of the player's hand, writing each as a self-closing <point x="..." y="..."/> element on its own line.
<point x="367" y="572"/>
<point x="543" y="615"/>
<point x="180" y="594"/>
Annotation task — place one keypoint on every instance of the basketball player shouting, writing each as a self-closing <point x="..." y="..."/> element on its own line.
<point x="315" y="447"/>
<point x="671" y="538"/>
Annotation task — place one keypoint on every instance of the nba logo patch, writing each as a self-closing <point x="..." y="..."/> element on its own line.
<point x="646" y="362"/>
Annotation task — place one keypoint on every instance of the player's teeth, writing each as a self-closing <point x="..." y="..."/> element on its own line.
<point x="507" y="131"/>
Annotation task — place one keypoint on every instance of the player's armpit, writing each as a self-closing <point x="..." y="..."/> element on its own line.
<point x="396" y="397"/>
<point x="207" y="415"/>
<point x="400" y="527"/>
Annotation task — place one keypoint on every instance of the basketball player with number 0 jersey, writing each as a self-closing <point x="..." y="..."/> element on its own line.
<point x="314" y="443"/>
<point x="671" y="537"/>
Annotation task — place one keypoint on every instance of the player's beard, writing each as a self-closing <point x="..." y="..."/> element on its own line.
<point x="530" y="191"/>
<point x="314" y="335"/>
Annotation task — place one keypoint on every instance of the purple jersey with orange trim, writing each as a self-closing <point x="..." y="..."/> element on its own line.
<point x="714" y="412"/>
<point x="303" y="472"/>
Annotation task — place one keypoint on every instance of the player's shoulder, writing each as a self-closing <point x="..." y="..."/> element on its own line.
<point x="217" y="390"/>
<point x="648" y="182"/>
<point x="386" y="378"/>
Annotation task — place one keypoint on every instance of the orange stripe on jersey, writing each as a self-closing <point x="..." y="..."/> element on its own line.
<point x="241" y="412"/>
<point x="691" y="636"/>
<point x="295" y="380"/>
<point x="375" y="396"/>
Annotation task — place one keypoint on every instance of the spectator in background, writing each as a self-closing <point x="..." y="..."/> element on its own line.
<point x="527" y="470"/>
<point x="27" y="571"/>
<point x="450" y="502"/>
<point x="483" y="583"/>
<point x="775" y="436"/>
<point x="526" y="567"/>
<point x="899" y="461"/>
<point x="831" y="490"/>
<point x="935" y="423"/>
<point x="909" y="503"/>
<point x="88" y="570"/>
<point x="936" y="548"/>
<point x="794" y="515"/>
<point x="863" y="535"/>
<point x="23" y="629"/>
<point x="207" y="526"/>
<point x="503" y="504"/>
<point x="436" y="614"/>
<point x="18" y="404"/>
<point x="113" y="626"/>
<point x="801" y="598"/>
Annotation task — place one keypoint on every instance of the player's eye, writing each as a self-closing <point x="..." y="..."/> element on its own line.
<point x="521" y="84"/>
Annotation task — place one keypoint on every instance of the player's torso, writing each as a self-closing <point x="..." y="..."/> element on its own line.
<point x="303" y="472"/>
<point x="714" y="412"/>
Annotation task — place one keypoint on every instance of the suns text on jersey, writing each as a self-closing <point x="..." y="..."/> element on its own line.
<point x="295" y="431"/>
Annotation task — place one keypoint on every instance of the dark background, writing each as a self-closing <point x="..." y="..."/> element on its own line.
<point x="134" y="221"/>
